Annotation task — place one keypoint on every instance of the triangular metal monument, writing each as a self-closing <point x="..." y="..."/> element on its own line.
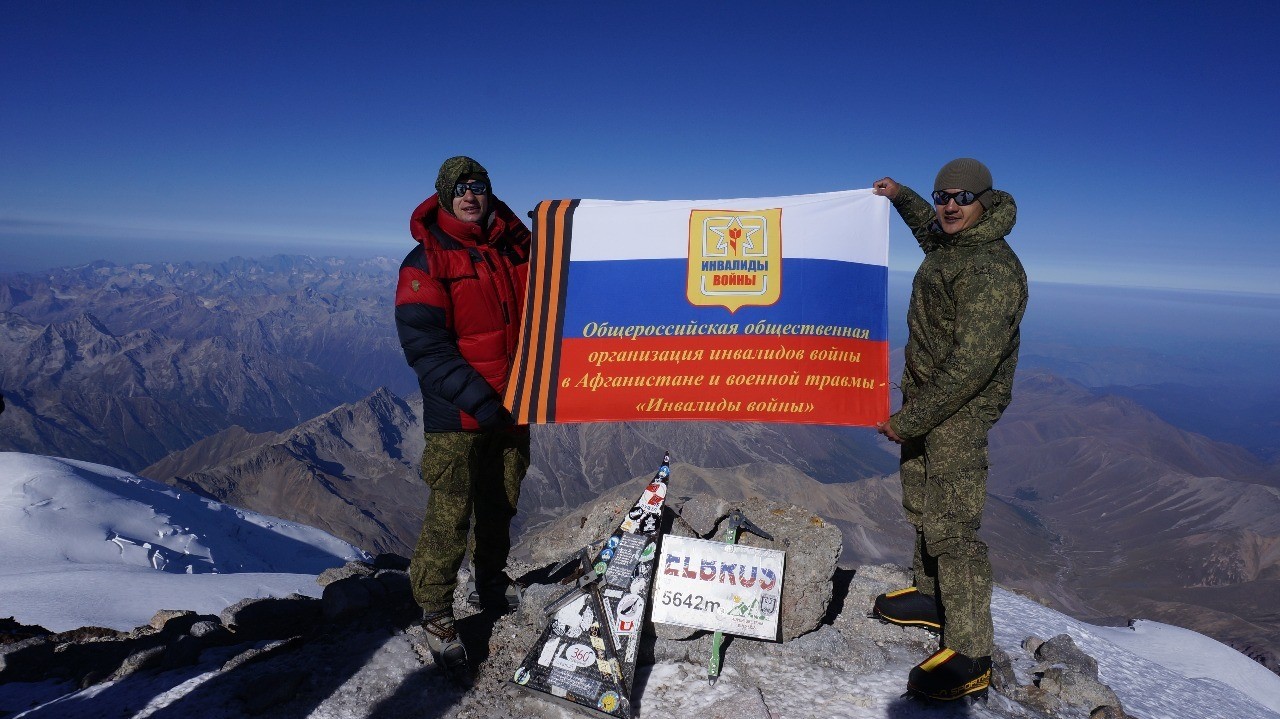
<point x="586" y="656"/>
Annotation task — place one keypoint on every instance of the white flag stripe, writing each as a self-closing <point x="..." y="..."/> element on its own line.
<point x="850" y="226"/>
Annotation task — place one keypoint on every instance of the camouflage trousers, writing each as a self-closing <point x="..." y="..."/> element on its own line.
<point x="469" y="473"/>
<point x="944" y="486"/>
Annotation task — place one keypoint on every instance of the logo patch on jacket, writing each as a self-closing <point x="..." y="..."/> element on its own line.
<point x="415" y="285"/>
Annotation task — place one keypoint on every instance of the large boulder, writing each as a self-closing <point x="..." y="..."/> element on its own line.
<point x="273" y="618"/>
<point x="813" y="548"/>
<point x="560" y="540"/>
<point x="812" y="545"/>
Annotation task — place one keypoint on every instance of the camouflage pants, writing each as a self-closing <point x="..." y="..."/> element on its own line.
<point x="944" y="486"/>
<point x="469" y="473"/>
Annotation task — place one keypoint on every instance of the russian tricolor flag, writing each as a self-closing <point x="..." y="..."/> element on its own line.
<point x="766" y="309"/>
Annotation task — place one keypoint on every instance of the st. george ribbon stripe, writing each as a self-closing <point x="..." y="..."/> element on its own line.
<point x="515" y="394"/>
<point x="531" y="395"/>
<point x="549" y="240"/>
<point x="556" y="285"/>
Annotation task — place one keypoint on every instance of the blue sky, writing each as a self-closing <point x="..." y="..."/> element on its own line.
<point x="1139" y="139"/>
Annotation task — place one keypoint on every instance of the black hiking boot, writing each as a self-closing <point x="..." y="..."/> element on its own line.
<point x="908" y="607"/>
<point x="446" y="646"/>
<point x="949" y="675"/>
<point x="500" y="594"/>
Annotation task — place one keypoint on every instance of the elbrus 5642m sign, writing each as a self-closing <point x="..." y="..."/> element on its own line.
<point x="731" y="588"/>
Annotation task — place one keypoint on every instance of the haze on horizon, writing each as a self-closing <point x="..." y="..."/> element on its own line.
<point x="1135" y="141"/>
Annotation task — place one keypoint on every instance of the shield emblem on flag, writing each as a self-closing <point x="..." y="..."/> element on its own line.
<point x="735" y="257"/>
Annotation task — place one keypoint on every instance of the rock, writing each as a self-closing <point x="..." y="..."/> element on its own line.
<point x="390" y="560"/>
<point x="1109" y="712"/>
<point x="25" y="660"/>
<point x="826" y="647"/>
<point x="350" y="569"/>
<point x="813" y="547"/>
<point x="177" y="622"/>
<point x="869" y="582"/>
<point x="562" y="539"/>
<point x="695" y="649"/>
<point x="184" y="651"/>
<point x="13" y="631"/>
<point x="206" y="628"/>
<point x="1065" y="680"/>
<point x="854" y="622"/>
<point x="139" y="660"/>
<point x="513" y="636"/>
<point x="346" y="598"/>
<point x="1062" y="649"/>
<point x="1002" y="673"/>
<point x="1032" y="643"/>
<point x="164" y="616"/>
<point x="94" y="659"/>
<point x="1072" y="689"/>
<point x="526" y="623"/>
<point x="254" y="654"/>
<point x="888" y="576"/>
<point x="378" y="593"/>
<point x="396" y="582"/>
<point x="273" y="617"/>
<point x="701" y="513"/>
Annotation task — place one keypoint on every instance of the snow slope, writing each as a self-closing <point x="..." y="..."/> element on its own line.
<point x="1158" y="671"/>
<point x="85" y="544"/>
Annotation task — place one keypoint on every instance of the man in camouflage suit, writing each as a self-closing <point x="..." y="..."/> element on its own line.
<point x="967" y="300"/>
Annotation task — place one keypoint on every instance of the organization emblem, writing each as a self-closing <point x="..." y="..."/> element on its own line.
<point x="735" y="257"/>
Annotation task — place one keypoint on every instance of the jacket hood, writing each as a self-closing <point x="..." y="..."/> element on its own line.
<point x="500" y="220"/>
<point x="996" y="223"/>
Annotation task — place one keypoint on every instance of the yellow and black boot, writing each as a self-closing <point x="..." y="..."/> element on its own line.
<point x="908" y="607"/>
<point x="950" y="675"/>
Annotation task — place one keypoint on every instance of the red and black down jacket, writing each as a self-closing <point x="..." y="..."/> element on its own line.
<point x="458" y="305"/>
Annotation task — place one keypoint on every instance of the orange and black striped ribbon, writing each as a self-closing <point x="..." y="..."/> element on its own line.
<point x="531" y="393"/>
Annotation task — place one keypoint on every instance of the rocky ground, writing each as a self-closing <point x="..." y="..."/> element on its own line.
<point x="357" y="652"/>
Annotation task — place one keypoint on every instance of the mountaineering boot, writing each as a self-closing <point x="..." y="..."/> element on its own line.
<point x="445" y="644"/>
<point x="497" y="594"/>
<point x="908" y="607"/>
<point x="949" y="675"/>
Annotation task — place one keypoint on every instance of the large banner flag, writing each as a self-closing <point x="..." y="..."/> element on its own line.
<point x="767" y="310"/>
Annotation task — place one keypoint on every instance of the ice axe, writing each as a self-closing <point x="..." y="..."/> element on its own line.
<point x="737" y="522"/>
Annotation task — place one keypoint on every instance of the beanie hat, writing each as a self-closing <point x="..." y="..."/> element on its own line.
<point x="451" y="170"/>
<point x="966" y="173"/>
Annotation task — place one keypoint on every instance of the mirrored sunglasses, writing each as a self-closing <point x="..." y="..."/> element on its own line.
<point x="963" y="198"/>
<point x="476" y="187"/>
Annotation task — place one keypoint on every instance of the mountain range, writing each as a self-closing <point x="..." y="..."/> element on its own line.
<point x="125" y="364"/>
<point x="277" y="385"/>
<point x="1095" y="505"/>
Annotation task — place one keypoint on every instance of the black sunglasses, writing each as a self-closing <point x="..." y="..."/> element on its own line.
<point x="962" y="198"/>
<point x="477" y="188"/>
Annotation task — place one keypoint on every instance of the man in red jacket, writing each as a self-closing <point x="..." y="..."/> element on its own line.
<point x="458" y="305"/>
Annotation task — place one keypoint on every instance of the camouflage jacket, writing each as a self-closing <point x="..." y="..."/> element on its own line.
<point x="967" y="301"/>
